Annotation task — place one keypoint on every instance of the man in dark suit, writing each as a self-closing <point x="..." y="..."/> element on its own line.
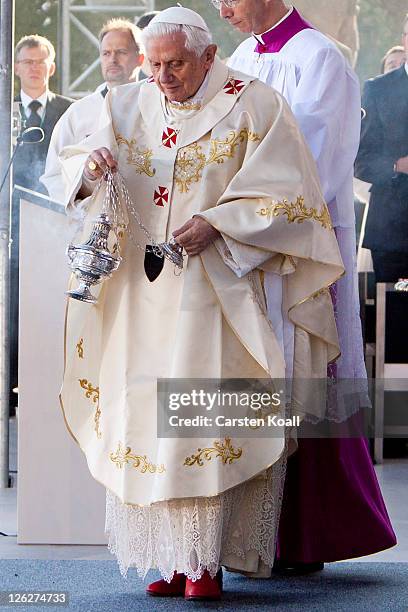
<point x="383" y="161"/>
<point x="40" y="107"/>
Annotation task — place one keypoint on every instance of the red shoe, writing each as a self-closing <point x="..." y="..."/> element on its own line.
<point x="206" y="588"/>
<point x="161" y="588"/>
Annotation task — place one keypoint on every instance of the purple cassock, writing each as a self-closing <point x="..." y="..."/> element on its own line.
<point x="332" y="506"/>
<point x="276" y="38"/>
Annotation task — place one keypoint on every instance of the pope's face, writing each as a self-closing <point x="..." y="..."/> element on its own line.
<point x="246" y="15"/>
<point x="177" y="71"/>
<point x="120" y="58"/>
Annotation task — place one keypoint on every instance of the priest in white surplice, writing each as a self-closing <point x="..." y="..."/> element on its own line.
<point x="289" y="54"/>
<point x="121" y="56"/>
<point x="214" y="158"/>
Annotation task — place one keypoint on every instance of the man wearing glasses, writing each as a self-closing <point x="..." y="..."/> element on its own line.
<point x="332" y="507"/>
<point x="40" y="107"/>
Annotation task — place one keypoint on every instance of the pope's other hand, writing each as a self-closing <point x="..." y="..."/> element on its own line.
<point x="195" y="235"/>
<point x="97" y="162"/>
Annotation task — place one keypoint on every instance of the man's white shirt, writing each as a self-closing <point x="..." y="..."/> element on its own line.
<point x="26" y="101"/>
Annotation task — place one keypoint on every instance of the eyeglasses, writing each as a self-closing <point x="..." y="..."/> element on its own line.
<point x="32" y="62"/>
<point x="229" y="3"/>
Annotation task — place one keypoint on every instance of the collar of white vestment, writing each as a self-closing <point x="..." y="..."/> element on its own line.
<point x="224" y="88"/>
<point x="274" y="39"/>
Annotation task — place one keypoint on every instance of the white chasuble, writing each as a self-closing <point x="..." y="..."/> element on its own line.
<point x="240" y="162"/>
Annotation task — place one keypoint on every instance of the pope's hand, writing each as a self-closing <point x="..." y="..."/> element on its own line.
<point x="196" y="235"/>
<point x="97" y="162"/>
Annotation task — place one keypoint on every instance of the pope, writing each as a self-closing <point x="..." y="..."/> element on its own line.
<point x="214" y="159"/>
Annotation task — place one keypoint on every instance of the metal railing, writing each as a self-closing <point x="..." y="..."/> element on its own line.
<point x="70" y="13"/>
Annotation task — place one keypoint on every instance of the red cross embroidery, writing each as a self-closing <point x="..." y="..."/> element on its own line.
<point x="161" y="196"/>
<point x="234" y="86"/>
<point x="169" y="137"/>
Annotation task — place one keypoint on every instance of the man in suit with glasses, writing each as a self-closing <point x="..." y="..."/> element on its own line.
<point x="39" y="107"/>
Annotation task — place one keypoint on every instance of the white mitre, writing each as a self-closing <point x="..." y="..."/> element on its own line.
<point x="180" y="16"/>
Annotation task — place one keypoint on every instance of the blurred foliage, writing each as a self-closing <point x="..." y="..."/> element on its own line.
<point x="37" y="17"/>
<point x="380" y="25"/>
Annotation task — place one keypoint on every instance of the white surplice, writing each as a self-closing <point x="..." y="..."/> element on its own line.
<point x="324" y="95"/>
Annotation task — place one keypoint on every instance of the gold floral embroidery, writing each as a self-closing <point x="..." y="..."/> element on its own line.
<point x="80" y="348"/>
<point x="191" y="160"/>
<point x="225" y="149"/>
<point x="140" y="462"/>
<point x="297" y="212"/>
<point x="186" y="106"/>
<point x="224" y="450"/>
<point x="141" y="159"/>
<point x="189" y="166"/>
<point x="93" y="394"/>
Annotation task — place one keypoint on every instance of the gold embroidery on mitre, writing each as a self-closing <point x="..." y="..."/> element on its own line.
<point x="225" y="149"/>
<point x="141" y="159"/>
<point x="224" y="450"/>
<point x="296" y="212"/>
<point x="80" y="348"/>
<point x="123" y="455"/>
<point x="92" y="393"/>
<point x="191" y="159"/>
<point x="189" y="166"/>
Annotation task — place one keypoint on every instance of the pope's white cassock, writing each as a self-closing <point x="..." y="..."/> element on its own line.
<point x="234" y="155"/>
<point x="71" y="128"/>
<point x="323" y="93"/>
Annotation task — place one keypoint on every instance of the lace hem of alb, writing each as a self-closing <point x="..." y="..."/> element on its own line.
<point x="192" y="535"/>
